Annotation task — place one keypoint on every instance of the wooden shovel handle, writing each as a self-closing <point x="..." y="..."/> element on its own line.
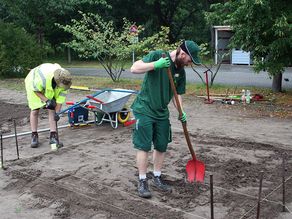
<point x="184" y="124"/>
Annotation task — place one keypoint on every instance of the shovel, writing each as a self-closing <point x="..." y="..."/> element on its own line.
<point x="195" y="168"/>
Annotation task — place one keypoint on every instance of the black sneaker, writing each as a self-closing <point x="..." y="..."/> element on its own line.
<point x="143" y="189"/>
<point x="34" y="140"/>
<point x="160" y="184"/>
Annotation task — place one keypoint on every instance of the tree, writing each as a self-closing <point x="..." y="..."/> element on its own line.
<point x="96" y="38"/>
<point x="184" y="18"/>
<point x="38" y="16"/>
<point x="211" y="68"/>
<point x="262" y="27"/>
<point x="19" y="51"/>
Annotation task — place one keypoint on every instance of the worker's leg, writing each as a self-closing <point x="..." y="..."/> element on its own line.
<point x="52" y="121"/>
<point x="142" y="140"/>
<point x="161" y="138"/>
<point x="158" y="158"/>
<point x="34" y="114"/>
<point x="54" y="138"/>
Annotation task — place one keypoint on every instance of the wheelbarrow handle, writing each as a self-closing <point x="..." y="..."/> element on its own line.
<point x="184" y="124"/>
<point x="95" y="99"/>
<point x="80" y="102"/>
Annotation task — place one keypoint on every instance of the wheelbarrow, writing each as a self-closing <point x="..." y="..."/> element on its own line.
<point x="109" y="106"/>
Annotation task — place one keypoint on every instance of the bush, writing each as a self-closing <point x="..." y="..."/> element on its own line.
<point x="19" y="51"/>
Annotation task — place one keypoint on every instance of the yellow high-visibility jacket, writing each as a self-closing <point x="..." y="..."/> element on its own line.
<point x="40" y="79"/>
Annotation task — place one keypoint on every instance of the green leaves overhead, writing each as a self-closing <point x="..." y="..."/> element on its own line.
<point x="262" y="27"/>
<point x="97" y="38"/>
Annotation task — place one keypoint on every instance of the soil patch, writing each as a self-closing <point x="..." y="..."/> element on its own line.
<point x="95" y="174"/>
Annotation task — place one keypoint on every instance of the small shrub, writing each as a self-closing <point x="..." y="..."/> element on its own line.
<point x="19" y="51"/>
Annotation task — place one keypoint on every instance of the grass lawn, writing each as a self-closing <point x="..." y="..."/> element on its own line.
<point x="284" y="98"/>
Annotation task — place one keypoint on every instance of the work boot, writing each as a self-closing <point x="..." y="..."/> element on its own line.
<point x="54" y="140"/>
<point x="143" y="189"/>
<point x="34" y="140"/>
<point x="160" y="184"/>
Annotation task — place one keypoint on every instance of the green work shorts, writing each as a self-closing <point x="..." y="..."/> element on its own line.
<point x="148" y="130"/>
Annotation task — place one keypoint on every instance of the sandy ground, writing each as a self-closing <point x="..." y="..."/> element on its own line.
<point x="94" y="175"/>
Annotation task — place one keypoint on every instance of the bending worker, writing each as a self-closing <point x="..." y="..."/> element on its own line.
<point x="46" y="87"/>
<point x="150" y="108"/>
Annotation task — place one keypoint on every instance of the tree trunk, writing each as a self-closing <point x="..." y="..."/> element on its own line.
<point x="277" y="83"/>
<point x="69" y="55"/>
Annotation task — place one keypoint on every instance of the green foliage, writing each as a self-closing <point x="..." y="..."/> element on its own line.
<point x="157" y="41"/>
<point x="38" y="16"/>
<point x="261" y="27"/>
<point x="97" y="38"/>
<point x="18" y="51"/>
<point x="184" y="18"/>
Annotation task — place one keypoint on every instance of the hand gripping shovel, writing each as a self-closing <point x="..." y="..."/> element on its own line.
<point x="195" y="168"/>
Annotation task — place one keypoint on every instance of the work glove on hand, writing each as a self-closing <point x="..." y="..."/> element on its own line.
<point x="57" y="117"/>
<point x="51" y="104"/>
<point x="183" y="117"/>
<point x="162" y="63"/>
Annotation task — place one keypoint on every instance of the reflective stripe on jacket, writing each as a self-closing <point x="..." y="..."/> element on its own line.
<point x="40" y="79"/>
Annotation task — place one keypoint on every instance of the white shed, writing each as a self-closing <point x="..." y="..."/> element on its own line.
<point x="221" y="37"/>
<point x="240" y="57"/>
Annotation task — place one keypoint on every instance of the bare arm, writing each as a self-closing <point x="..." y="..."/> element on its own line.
<point x="41" y="96"/>
<point x="140" y="67"/>
<point x="58" y="107"/>
<point x="44" y="99"/>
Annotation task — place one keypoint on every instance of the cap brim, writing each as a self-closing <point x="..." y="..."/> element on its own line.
<point x="195" y="60"/>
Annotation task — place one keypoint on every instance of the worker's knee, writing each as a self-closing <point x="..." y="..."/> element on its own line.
<point x="35" y="113"/>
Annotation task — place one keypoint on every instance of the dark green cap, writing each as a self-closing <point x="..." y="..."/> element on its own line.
<point x="192" y="49"/>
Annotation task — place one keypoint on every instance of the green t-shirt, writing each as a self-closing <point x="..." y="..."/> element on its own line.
<point x="156" y="92"/>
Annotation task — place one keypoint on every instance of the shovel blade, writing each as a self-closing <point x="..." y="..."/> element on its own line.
<point x="195" y="171"/>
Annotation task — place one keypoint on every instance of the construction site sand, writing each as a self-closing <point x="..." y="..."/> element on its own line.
<point x="95" y="176"/>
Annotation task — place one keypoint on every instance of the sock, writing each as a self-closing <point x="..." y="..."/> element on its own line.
<point x="142" y="176"/>
<point x="53" y="134"/>
<point x="156" y="173"/>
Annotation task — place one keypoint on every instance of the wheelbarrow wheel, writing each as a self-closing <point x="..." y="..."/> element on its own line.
<point x="98" y="117"/>
<point x="123" y="115"/>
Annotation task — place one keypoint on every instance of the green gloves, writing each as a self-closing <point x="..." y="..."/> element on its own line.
<point x="162" y="63"/>
<point x="183" y="117"/>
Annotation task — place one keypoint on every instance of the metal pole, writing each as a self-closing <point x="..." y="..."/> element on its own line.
<point x="2" y="160"/>
<point x="283" y="183"/>
<point x="133" y="56"/>
<point x="260" y="193"/>
<point x="207" y="86"/>
<point x="16" y="141"/>
<point x="212" y="199"/>
<point x="28" y="133"/>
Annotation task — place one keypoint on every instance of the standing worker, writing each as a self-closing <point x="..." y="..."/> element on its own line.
<point x="46" y="87"/>
<point x="150" y="108"/>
